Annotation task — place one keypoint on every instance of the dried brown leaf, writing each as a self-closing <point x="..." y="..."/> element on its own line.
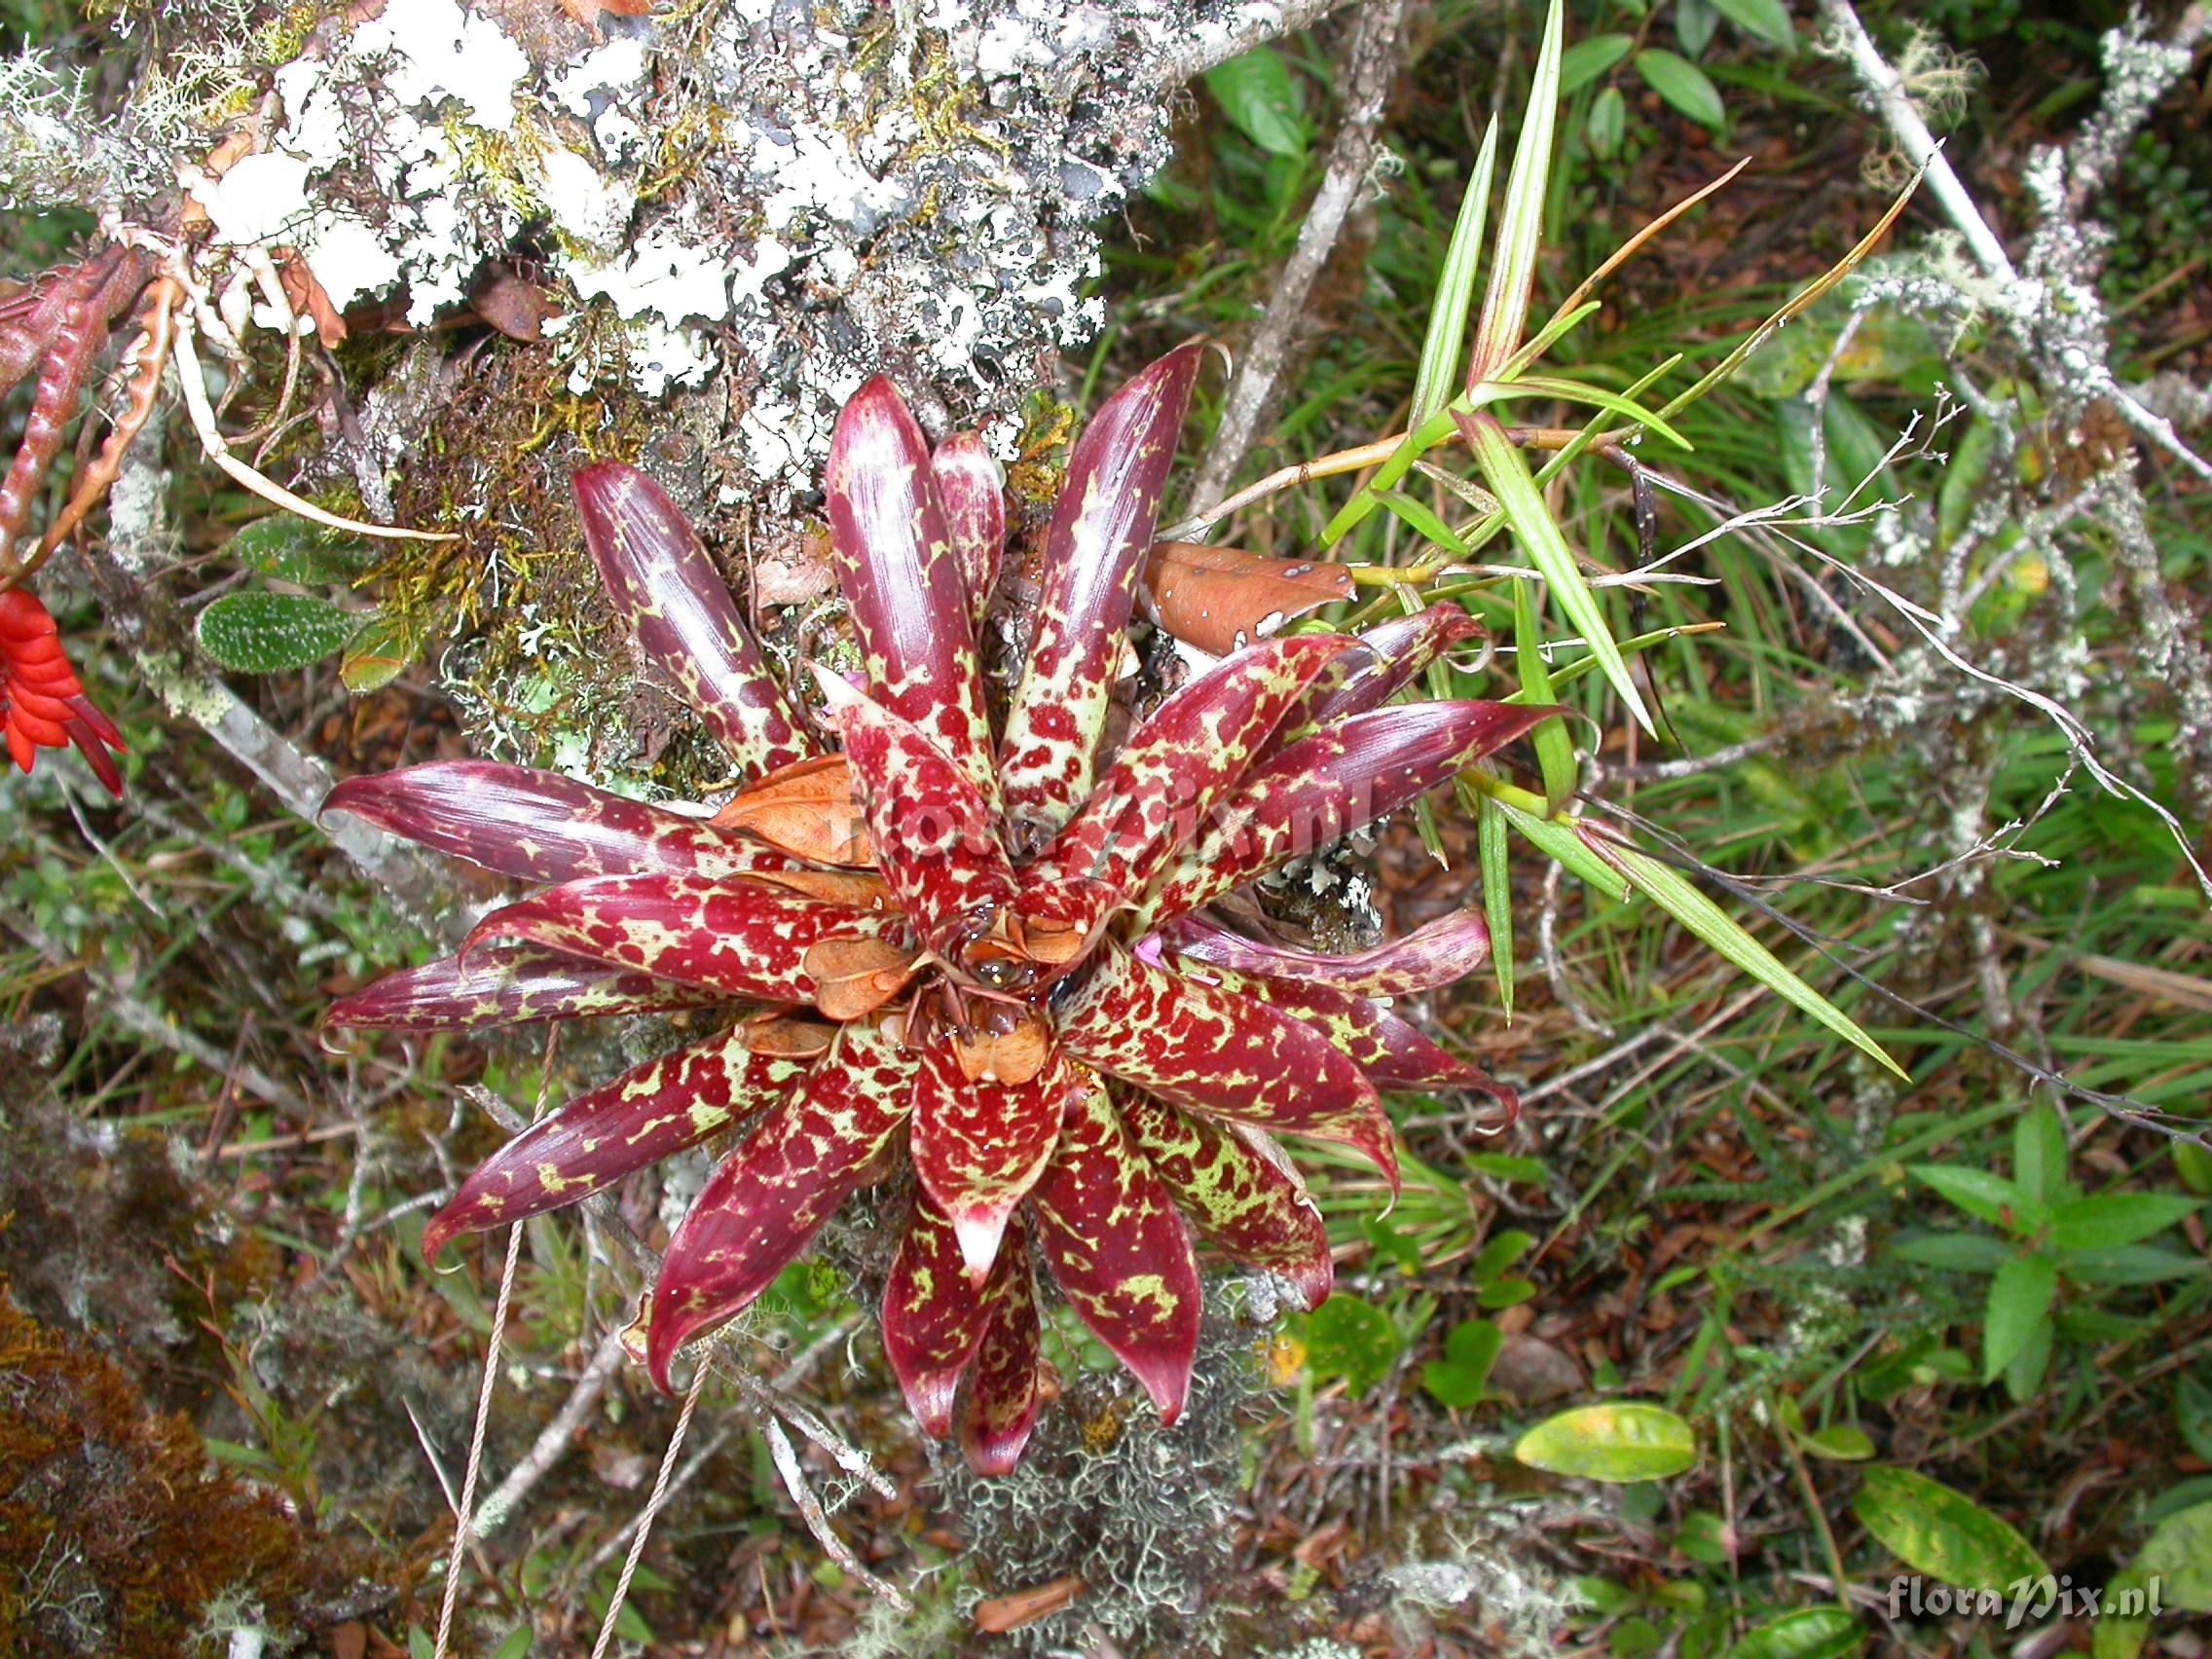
<point x="1221" y="598"/>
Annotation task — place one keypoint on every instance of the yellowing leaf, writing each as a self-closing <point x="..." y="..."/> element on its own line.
<point x="1621" y="1442"/>
<point x="1942" y="1533"/>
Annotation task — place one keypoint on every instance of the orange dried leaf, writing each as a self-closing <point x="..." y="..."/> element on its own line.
<point x="1008" y="1046"/>
<point x="309" y="298"/>
<point x="1002" y="1613"/>
<point x="853" y="977"/>
<point x="856" y="888"/>
<point x="806" y="810"/>
<point x="1221" y="598"/>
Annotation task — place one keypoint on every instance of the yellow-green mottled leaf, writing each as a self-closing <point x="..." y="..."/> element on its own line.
<point x="2179" y="1556"/>
<point x="1812" y="1633"/>
<point x="1625" y="1441"/>
<point x="1940" y="1533"/>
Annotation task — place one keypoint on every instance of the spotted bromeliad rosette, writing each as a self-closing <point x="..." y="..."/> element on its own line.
<point x="987" y="951"/>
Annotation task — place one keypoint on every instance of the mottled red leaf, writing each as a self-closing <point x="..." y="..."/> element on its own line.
<point x="1309" y="796"/>
<point x="970" y="486"/>
<point x="770" y="1196"/>
<point x="1203" y="1049"/>
<point x="735" y="937"/>
<point x="537" y="825"/>
<point x="1112" y="1236"/>
<point x="903" y="581"/>
<point x="507" y="984"/>
<point x="1392" y="654"/>
<point x="933" y="1316"/>
<point x="1441" y="953"/>
<point x="1220" y="599"/>
<point x="1389" y="1051"/>
<point x="1151" y="801"/>
<point x="681" y="611"/>
<point x="978" y="1146"/>
<point x="1239" y="1191"/>
<point x="1094" y="548"/>
<point x="1000" y="1408"/>
<point x="935" y="840"/>
<point x="647" y="1114"/>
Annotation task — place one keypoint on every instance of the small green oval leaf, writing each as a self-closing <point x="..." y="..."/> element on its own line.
<point x="1681" y="85"/>
<point x="1840" y="1442"/>
<point x="1623" y="1442"/>
<point x="2179" y="1556"/>
<point x="1351" y="1339"/>
<point x="1940" y="1533"/>
<point x="268" y="633"/>
<point x="1587" y="59"/>
<point x="1256" y="93"/>
<point x="377" y="654"/>
<point x="1761" y="19"/>
<point x="1607" y="123"/>
<point x="1814" y="1633"/>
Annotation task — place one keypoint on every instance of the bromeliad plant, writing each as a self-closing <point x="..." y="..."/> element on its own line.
<point x="988" y="952"/>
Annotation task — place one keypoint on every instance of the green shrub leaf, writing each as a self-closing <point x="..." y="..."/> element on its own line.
<point x="2019" y="1300"/>
<point x="1681" y="85"/>
<point x="2109" y="1220"/>
<point x="1256" y="93"/>
<point x="1761" y="19"/>
<point x="1587" y="59"/>
<point x="268" y="633"/>
<point x="1984" y="1196"/>
<point x="1940" y="1533"/>
<point x="2179" y="1556"/>
<point x="1626" y="1440"/>
<point x="1814" y="1633"/>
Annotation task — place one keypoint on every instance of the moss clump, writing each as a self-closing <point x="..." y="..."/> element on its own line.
<point x="115" y="1537"/>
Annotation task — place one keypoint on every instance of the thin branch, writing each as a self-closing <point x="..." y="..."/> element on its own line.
<point x="1372" y="66"/>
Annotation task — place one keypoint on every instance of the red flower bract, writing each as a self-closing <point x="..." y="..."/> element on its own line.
<point x="41" y="702"/>
<point x="982" y="948"/>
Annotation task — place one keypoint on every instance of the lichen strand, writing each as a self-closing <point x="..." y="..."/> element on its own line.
<point x="1134" y="1510"/>
<point x="116" y="1540"/>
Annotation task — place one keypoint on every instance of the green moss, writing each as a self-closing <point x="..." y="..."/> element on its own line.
<point x="115" y="1537"/>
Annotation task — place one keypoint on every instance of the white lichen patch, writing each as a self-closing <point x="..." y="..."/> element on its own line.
<point x="765" y="201"/>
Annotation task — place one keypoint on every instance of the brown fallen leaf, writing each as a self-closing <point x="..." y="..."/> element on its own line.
<point x="795" y="573"/>
<point x="1221" y="598"/>
<point x="308" y="297"/>
<point x="853" y="977"/>
<point x="516" y="308"/>
<point x="806" y="810"/>
<point x="1002" y="1613"/>
<point x="587" y="12"/>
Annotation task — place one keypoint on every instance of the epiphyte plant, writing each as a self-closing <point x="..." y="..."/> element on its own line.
<point x="983" y="954"/>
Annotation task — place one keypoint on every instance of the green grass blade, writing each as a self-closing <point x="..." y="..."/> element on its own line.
<point x="1425" y="436"/>
<point x="1575" y="392"/>
<point x="1555" y="749"/>
<point x="1521" y="227"/>
<point x="1491" y="855"/>
<point x="1422" y="521"/>
<point x="1557" y="840"/>
<point x="1439" y="368"/>
<point x="1507" y="476"/>
<point x="1543" y="341"/>
<point x="1673" y="894"/>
